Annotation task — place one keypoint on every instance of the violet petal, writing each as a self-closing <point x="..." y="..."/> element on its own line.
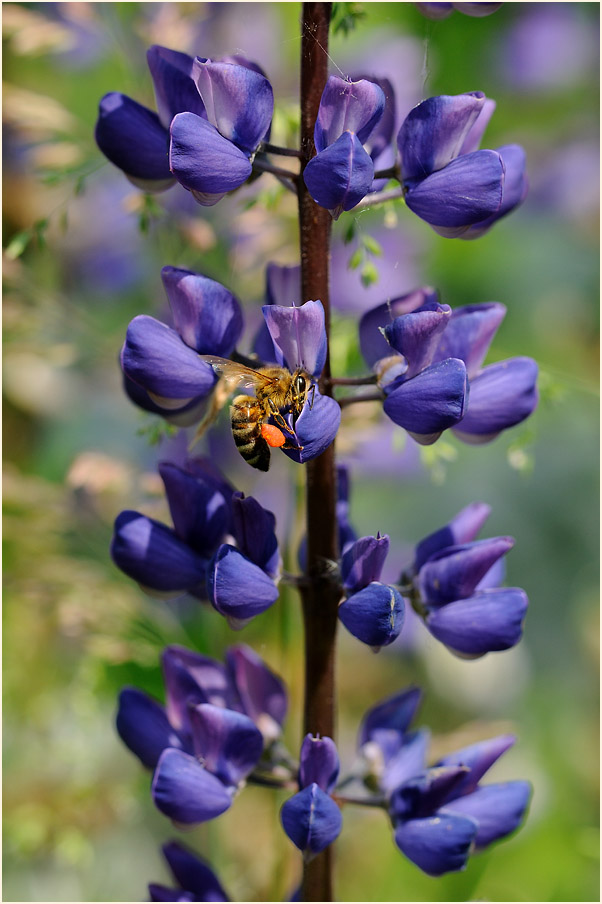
<point x="454" y="572"/>
<point x="175" y="90"/>
<point x="237" y="588"/>
<point x="347" y="106"/>
<point x="432" y="401"/>
<point x="143" y="726"/>
<point x="501" y="396"/>
<point x="155" y="357"/>
<point x="488" y="621"/>
<point x="228" y="743"/>
<point x="206" y="315"/>
<point x="186" y="792"/>
<point x="202" y="160"/>
<point x="318" y="763"/>
<point x="300" y="334"/>
<point x="363" y="562"/>
<point x="340" y="176"/>
<point x="374" y="615"/>
<point x="438" y="844"/>
<point x="498" y="809"/>
<point x="311" y="820"/>
<point x="132" y="138"/>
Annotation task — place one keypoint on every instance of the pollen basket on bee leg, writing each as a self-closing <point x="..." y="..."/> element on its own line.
<point x="272" y="435"/>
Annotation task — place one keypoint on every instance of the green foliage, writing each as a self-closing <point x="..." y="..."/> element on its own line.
<point x="346" y="17"/>
<point x="156" y="431"/>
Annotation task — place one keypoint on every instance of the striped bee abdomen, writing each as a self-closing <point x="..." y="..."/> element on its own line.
<point x="246" y="417"/>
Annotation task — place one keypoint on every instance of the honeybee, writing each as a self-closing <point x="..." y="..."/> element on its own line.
<point x="277" y="390"/>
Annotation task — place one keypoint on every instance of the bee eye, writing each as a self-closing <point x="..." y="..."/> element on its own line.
<point x="300" y="385"/>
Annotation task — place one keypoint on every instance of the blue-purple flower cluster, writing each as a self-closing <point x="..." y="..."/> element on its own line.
<point x="428" y="361"/>
<point x="214" y="118"/>
<point x="221" y="727"/>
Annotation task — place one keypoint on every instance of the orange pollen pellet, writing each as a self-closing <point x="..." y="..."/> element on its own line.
<point x="272" y="435"/>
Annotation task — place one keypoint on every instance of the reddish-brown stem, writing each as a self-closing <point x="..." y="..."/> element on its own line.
<point x="320" y="595"/>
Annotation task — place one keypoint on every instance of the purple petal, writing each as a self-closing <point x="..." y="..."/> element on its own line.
<point x="191" y="679"/>
<point x="435" y="11"/>
<point x="363" y="562"/>
<point x="462" y="528"/>
<point x="162" y="893"/>
<point x="143" y="726"/>
<point x="341" y="175"/>
<point x="311" y="820"/>
<point x="132" y="137"/>
<point x="374" y="615"/>
<point x="479" y="758"/>
<point x="454" y="572"/>
<point x="206" y="315"/>
<point x="477" y="9"/>
<point x="347" y="106"/>
<point x="498" y="809"/>
<point x="431" y="402"/>
<point x="262" y="693"/>
<point x="395" y="713"/>
<point x="488" y="621"/>
<point x="283" y="284"/>
<point x="473" y="138"/>
<point x="182" y="416"/>
<point x="237" y="588"/>
<point x="203" y="161"/>
<point x="408" y="762"/>
<point x="469" y="333"/>
<point x="316" y="428"/>
<point x="199" y="512"/>
<point x="300" y="334"/>
<point x="466" y="191"/>
<point x="495" y="577"/>
<point x="239" y="101"/>
<point x="373" y="344"/>
<point x="228" y="743"/>
<point x="501" y="396"/>
<point x="193" y="874"/>
<point x="186" y="792"/>
<point x="155" y="357"/>
<point x="253" y="529"/>
<point x="438" y="844"/>
<point x="422" y="794"/>
<point x="150" y="553"/>
<point x="433" y="133"/>
<point x="175" y="90"/>
<point x="415" y="336"/>
<point x="319" y="763"/>
<point x="516" y="186"/>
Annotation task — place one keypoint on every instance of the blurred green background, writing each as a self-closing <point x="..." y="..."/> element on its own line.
<point x="82" y="254"/>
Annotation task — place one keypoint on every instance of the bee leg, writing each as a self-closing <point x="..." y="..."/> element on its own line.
<point x="280" y="420"/>
<point x="313" y="392"/>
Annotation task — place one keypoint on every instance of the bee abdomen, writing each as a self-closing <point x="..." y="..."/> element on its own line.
<point x="246" y="418"/>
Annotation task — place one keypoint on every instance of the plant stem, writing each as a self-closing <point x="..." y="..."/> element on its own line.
<point x="320" y="597"/>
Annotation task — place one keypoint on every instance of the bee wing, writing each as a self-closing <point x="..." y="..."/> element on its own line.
<point x="236" y="373"/>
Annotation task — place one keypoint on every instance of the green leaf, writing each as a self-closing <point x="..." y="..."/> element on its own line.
<point x="18" y="244"/>
<point x="345" y="17"/>
<point x="369" y="274"/>
<point x="349" y="233"/>
<point x="372" y="246"/>
<point x="355" y="259"/>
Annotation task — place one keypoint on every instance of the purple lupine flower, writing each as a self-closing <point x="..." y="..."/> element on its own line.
<point x="242" y="580"/>
<point x="311" y="818"/>
<point x="192" y="556"/>
<point x="443" y="10"/>
<point x="447" y="181"/>
<point x="299" y="339"/>
<point x="342" y="171"/>
<point x="163" y="362"/>
<point x="390" y="752"/>
<point x="212" y="154"/>
<point x="372" y="611"/>
<point x="443" y="813"/>
<point x="244" y="684"/>
<point x="195" y="878"/>
<point x="456" y="581"/>
<point x="195" y="788"/>
<point x="171" y="561"/>
<point x="435" y="380"/>
<point x="439" y="814"/>
<point x="135" y="138"/>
